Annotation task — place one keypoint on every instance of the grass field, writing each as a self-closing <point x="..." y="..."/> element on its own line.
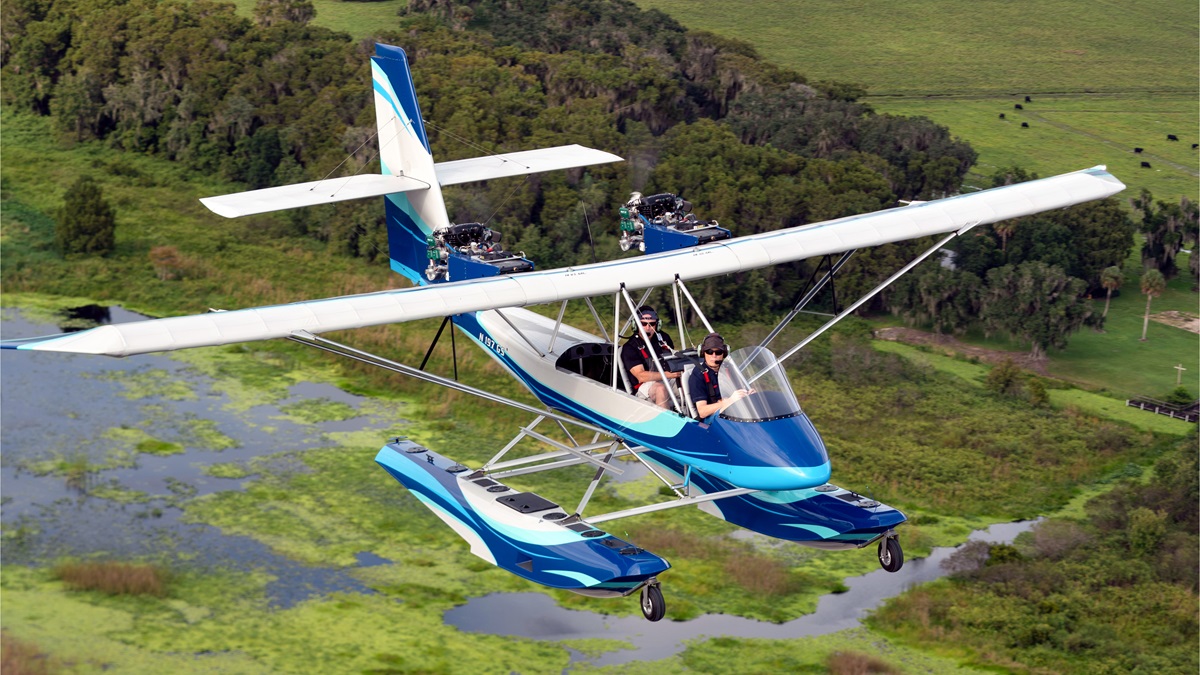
<point x="991" y="47"/>
<point x="1103" y="82"/>
<point x="1069" y="132"/>
<point x="1105" y="78"/>
<point x="1093" y="404"/>
<point x="1118" y="361"/>
<point x="359" y="19"/>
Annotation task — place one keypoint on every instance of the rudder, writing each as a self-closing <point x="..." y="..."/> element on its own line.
<point x="404" y="150"/>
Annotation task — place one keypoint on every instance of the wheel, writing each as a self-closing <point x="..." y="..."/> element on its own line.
<point x="653" y="606"/>
<point x="891" y="558"/>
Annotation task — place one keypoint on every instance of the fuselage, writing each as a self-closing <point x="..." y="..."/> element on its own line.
<point x="785" y="453"/>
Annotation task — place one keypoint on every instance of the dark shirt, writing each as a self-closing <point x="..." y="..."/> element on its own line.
<point x="631" y="354"/>
<point x="698" y="388"/>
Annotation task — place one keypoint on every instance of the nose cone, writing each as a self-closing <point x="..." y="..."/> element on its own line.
<point x="780" y="454"/>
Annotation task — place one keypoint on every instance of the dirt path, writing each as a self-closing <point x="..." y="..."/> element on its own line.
<point x="1188" y="322"/>
<point x="956" y="347"/>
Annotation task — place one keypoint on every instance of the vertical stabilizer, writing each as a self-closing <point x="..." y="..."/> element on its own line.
<point x="404" y="151"/>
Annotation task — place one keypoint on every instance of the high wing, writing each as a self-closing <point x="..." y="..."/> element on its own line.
<point x="943" y="216"/>
<point x="378" y="185"/>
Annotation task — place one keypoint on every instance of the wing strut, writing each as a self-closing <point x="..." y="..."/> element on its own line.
<point x="453" y="348"/>
<point x="582" y="453"/>
<point x="599" y="323"/>
<point x="808" y="297"/>
<point x="695" y="305"/>
<point x="324" y="344"/>
<point x="587" y="494"/>
<point x="682" y="501"/>
<point x="870" y="294"/>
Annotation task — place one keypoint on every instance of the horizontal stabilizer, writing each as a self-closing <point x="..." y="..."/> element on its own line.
<point x="520" y="163"/>
<point x="376" y="185"/>
<point x="310" y="194"/>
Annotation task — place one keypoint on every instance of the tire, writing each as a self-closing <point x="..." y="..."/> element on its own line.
<point x="891" y="557"/>
<point x="653" y="606"/>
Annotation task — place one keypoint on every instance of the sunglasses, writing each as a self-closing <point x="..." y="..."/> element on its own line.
<point x="649" y="323"/>
<point x="715" y="352"/>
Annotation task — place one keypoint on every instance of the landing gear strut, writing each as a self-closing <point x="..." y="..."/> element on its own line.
<point x="891" y="557"/>
<point x="653" y="606"/>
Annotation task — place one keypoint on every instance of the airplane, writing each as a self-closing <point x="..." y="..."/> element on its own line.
<point x="759" y="464"/>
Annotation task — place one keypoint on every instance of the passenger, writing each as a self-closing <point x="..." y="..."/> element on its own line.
<point x="703" y="385"/>
<point x="647" y="382"/>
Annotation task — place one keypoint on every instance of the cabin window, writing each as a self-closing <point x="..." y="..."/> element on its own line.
<point x="593" y="360"/>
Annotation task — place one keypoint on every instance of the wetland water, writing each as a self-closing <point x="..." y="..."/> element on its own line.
<point x="67" y="413"/>
<point x="60" y="410"/>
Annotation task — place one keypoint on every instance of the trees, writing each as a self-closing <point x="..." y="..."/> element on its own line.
<point x="1004" y="379"/>
<point x="922" y="160"/>
<point x="1153" y="284"/>
<point x="947" y="299"/>
<point x="269" y="13"/>
<point x="1099" y="235"/>
<point x="1166" y="227"/>
<point x="1034" y="302"/>
<point x="1083" y="240"/>
<point x="1110" y="279"/>
<point x="86" y="223"/>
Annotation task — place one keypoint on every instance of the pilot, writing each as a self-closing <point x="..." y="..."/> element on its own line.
<point x="648" y="383"/>
<point x="703" y="386"/>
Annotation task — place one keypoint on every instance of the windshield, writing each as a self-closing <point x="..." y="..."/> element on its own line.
<point x="758" y="371"/>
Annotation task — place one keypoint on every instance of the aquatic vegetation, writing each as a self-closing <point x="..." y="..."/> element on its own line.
<point x="41" y="308"/>
<point x="113" y="578"/>
<point x="228" y="470"/>
<point x="853" y="663"/>
<point x="595" y="646"/>
<point x="18" y="536"/>
<point x="77" y="468"/>
<point x="222" y="622"/>
<point x="313" y="411"/>
<point x="180" y="489"/>
<point x="205" y="435"/>
<point x="251" y="375"/>
<point x="113" y="492"/>
<point x="26" y="658"/>
<point x="372" y="436"/>
<point x="833" y="653"/>
<point x="152" y="383"/>
<point x="130" y="440"/>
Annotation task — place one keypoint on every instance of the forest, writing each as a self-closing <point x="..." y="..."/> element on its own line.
<point x="274" y="100"/>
